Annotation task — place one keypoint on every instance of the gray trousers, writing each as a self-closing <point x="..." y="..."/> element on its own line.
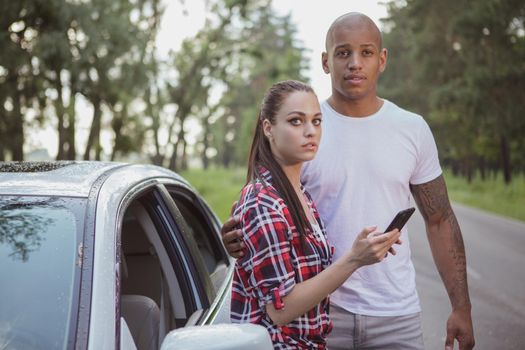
<point x="360" y="332"/>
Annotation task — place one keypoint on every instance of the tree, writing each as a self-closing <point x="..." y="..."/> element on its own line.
<point x="455" y="62"/>
<point x="269" y="53"/>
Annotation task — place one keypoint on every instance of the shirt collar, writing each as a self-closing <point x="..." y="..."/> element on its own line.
<point x="267" y="177"/>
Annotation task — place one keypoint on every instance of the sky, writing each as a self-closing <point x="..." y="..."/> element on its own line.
<point x="312" y="19"/>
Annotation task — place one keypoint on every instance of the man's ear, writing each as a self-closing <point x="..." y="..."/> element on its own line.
<point x="383" y="56"/>
<point x="324" y="62"/>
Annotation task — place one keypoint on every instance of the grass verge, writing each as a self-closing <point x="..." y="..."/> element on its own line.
<point x="220" y="188"/>
<point x="491" y="194"/>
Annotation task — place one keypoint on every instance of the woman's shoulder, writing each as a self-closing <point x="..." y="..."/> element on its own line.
<point x="258" y="195"/>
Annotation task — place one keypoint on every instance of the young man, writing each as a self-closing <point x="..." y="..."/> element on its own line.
<point x="373" y="154"/>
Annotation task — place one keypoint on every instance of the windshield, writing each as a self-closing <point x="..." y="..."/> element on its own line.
<point x="39" y="267"/>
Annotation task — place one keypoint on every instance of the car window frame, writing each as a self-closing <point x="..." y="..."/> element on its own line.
<point x="222" y="290"/>
<point x="207" y="292"/>
<point x="212" y="221"/>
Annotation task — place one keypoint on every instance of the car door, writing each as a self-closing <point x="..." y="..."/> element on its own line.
<point x="165" y="273"/>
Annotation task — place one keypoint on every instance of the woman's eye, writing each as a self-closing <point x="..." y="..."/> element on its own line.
<point x="295" y="121"/>
<point x="317" y="122"/>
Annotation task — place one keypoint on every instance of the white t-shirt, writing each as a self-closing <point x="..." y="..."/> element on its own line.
<point x="360" y="177"/>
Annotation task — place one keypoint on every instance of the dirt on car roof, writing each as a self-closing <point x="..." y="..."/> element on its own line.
<point x="32" y="167"/>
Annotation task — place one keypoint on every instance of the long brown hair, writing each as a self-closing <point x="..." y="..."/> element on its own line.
<point x="261" y="153"/>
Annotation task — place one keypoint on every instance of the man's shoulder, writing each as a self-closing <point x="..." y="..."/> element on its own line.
<point x="400" y="115"/>
<point x="393" y="109"/>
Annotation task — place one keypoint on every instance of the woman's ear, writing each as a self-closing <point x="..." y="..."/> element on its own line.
<point x="267" y="129"/>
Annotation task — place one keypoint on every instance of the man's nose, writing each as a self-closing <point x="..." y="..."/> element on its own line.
<point x="354" y="62"/>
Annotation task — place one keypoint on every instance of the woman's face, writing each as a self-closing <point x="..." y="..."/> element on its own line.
<point x="295" y="134"/>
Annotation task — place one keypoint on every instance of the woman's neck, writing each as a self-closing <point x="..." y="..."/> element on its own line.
<point x="293" y="173"/>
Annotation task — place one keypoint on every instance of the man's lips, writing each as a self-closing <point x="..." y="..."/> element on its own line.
<point x="354" y="79"/>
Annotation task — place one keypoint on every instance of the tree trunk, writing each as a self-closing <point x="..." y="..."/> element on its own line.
<point x="482" y="168"/>
<point x="17" y="128"/>
<point x="60" y="111"/>
<point x="94" y="133"/>
<point x="184" y="157"/>
<point x="118" y="123"/>
<point x="71" y="151"/>
<point x="3" y="133"/>
<point x="505" y="159"/>
<point x="173" y="158"/>
<point x="181" y="114"/>
<point x="205" y="144"/>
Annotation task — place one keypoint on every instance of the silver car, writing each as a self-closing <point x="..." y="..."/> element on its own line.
<point x="112" y="256"/>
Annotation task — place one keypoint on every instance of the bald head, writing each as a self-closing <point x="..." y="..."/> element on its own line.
<point x="353" y="21"/>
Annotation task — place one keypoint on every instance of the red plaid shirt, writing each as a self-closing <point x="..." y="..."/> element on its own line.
<point x="276" y="258"/>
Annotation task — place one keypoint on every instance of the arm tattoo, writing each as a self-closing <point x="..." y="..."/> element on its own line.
<point x="434" y="205"/>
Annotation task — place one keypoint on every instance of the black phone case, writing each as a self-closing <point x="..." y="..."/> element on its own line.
<point x="400" y="219"/>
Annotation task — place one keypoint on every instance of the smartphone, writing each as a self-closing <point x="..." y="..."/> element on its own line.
<point x="400" y="219"/>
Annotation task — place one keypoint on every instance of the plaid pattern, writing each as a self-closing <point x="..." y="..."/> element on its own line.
<point x="276" y="258"/>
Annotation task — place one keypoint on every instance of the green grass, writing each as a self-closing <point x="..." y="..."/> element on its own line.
<point x="491" y="195"/>
<point x="220" y="188"/>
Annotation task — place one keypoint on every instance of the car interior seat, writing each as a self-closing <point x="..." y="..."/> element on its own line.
<point x="141" y="262"/>
<point x="143" y="318"/>
<point x="140" y="286"/>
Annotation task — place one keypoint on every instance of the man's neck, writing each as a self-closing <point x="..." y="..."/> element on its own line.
<point x="359" y="108"/>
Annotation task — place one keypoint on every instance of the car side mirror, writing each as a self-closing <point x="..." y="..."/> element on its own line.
<point x="220" y="336"/>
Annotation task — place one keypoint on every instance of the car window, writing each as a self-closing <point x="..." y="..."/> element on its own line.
<point x="205" y="230"/>
<point x="40" y="260"/>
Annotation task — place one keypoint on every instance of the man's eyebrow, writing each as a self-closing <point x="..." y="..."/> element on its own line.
<point x="345" y="46"/>
<point x="342" y="46"/>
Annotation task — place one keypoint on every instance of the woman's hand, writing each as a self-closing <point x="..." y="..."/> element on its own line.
<point x="371" y="247"/>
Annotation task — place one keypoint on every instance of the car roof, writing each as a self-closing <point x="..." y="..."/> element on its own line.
<point x="70" y="178"/>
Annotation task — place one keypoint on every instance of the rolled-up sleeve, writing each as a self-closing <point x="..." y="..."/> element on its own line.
<point x="268" y="261"/>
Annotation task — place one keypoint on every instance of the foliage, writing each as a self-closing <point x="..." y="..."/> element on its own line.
<point x="58" y="55"/>
<point x="57" y="51"/>
<point x="220" y="193"/>
<point x="463" y="69"/>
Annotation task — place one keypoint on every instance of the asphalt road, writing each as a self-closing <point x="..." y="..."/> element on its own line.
<point x="495" y="249"/>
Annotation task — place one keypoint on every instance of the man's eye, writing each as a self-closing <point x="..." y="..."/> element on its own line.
<point x="368" y="53"/>
<point x="343" y="53"/>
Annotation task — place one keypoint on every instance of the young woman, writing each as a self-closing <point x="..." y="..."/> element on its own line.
<point x="285" y="276"/>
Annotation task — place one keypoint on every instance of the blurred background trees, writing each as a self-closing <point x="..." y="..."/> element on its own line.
<point x="57" y="52"/>
<point x="90" y="69"/>
<point x="461" y="64"/>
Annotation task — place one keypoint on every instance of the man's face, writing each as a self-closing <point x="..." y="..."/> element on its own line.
<point x="354" y="60"/>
